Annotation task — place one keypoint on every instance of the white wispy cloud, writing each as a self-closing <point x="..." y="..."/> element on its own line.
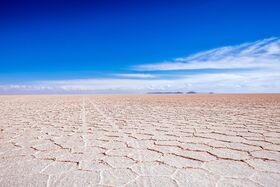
<point x="135" y="75"/>
<point x="259" y="61"/>
<point x="260" y="54"/>
<point x="238" y="82"/>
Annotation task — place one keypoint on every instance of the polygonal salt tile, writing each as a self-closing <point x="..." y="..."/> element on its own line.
<point x="119" y="152"/>
<point x="265" y="165"/>
<point x="168" y="143"/>
<point x="243" y="147"/>
<point x="94" y="142"/>
<point x="114" y="145"/>
<point x="271" y="155"/>
<point x="24" y="167"/>
<point x="117" y="177"/>
<point x="92" y="153"/>
<point x="154" y="181"/>
<point x="140" y="144"/>
<point x="97" y="165"/>
<point x="25" y="180"/>
<point x="274" y="147"/>
<point x="9" y="147"/>
<point x="69" y="157"/>
<point x="88" y="150"/>
<point x="274" y="140"/>
<point x="153" y="169"/>
<point x="256" y="143"/>
<point x="198" y="155"/>
<point x="180" y="162"/>
<point x="76" y="178"/>
<point x="266" y="178"/>
<point x="57" y="168"/>
<point x="119" y="162"/>
<point x="25" y="143"/>
<point x="142" y="136"/>
<point x="166" y="149"/>
<point x="144" y="155"/>
<point x="25" y="153"/>
<point x="235" y="182"/>
<point x="230" y="154"/>
<point x="204" y="139"/>
<point x="46" y="147"/>
<point x="272" y="134"/>
<point x="196" y="147"/>
<point x="195" y="177"/>
<point x="50" y="155"/>
<point x="229" y="168"/>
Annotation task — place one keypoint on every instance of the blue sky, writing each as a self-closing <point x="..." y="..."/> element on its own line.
<point x="139" y="46"/>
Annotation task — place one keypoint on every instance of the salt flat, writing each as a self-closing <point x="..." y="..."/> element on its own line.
<point x="140" y="140"/>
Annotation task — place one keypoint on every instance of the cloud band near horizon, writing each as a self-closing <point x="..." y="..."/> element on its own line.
<point x="247" y="68"/>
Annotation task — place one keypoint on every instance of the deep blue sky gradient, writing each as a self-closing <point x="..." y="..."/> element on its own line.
<point x="66" y="39"/>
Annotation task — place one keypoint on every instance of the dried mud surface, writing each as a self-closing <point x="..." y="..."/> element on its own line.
<point x="140" y="140"/>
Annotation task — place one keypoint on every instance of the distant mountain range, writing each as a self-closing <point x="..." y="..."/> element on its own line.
<point x="191" y="92"/>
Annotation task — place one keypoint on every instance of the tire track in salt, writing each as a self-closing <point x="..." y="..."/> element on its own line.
<point x="84" y="124"/>
<point x="50" y="177"/>
<point x="111" y="122"/>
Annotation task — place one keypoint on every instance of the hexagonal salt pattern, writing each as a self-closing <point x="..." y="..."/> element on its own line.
<point x="140" y="140"/>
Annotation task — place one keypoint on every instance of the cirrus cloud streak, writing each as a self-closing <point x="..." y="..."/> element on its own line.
<point x="247" y="68"/>
<point x="263" y="54"/>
